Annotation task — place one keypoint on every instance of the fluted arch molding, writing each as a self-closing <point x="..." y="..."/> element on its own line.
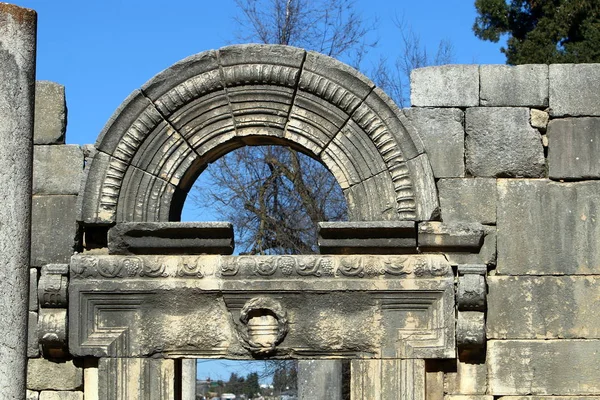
<point x="164" y="134"/>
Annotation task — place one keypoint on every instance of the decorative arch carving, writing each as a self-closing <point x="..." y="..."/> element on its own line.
<point x="163" y="135"/>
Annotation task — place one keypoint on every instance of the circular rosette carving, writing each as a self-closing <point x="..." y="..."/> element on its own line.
<point x="264" y="325"/>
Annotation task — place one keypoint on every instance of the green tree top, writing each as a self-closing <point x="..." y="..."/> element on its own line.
<point x="542" y="31"/>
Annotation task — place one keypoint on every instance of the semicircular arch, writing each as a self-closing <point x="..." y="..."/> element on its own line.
<point x="164" y="134"/>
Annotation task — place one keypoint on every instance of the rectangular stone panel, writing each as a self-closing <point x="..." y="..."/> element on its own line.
<point x="460" y="83"/>
<point x="543" y="367"/>
<point x="514" y="86"/>
<point x="57" y="169"/>
<point x="44" y="374"/>
<point x="574" y="144"/>
<point x="388" y="380"/>
<point x="543" y="307"/>
<point x="53" y="229"/>
<point x="469" y="378"/>
<point x="380" y="237"/>
<point x="50" y="113"/>
<point x="33" y="345"/>
<point x="443" y="135"/>
<point x="468" y="200"/>
<point x="574" y="89"/>
<point x="547" y="227"/>
<point x="136" y="378"/>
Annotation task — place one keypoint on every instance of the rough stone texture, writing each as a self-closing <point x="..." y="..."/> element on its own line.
<point x="387" y="379"/>
<point x="575" y="89"/>
<point x="381" y="237"/>
<point x="52" y="290"/>
<point x="52" y="332"/>
<point x="320" y="379"/>
<point x="471" y="292"/>
<point x="469" y="378"/>
<point x="574" y="144"/>
<point x="516" y="86"/>
<point x="150" y="379"/>
<point x="539" y="119"/>
<point x="434" y="382"/>
<point x="57" y="169"/>
<point x="188" y="378"/>
<point x="443" y="135"/>
<point x="445" y="86"/>
<point x="470" y="329"/>
<point x="50" y="113"/>
<point x="32" y="395"/>
<point x="33" y="345"/>
<point x="43" y="374"/>
<point x="33" y="280"/>
<point x="171" y="238"/>
<point x="546" y="227"/>
<point x="17" y="93"/>
<point x="524" y="307"/>
<point x="52" y="395"/>
<point x="500" y="142"/>
<point x="543" y="367"/>
<point x="54" y="230"/>
<point x="450" y="236"/>
<point x="486" y="254"/>
<point x="468" y="200"/>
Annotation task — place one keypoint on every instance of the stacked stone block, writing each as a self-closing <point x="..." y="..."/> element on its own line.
<point x="528" y="149"/>
<point x="57" y="172"/>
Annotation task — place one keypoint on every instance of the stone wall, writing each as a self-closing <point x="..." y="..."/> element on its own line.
<point x="513" y="151"/>
<point x="516" y="149"/>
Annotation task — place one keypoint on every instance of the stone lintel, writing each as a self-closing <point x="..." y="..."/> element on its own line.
<point x="440" y="236"/>
<point x="372" y="237"/>
<point x="171" y="238"/>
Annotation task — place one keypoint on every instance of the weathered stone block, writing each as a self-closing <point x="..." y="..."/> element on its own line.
<point x="50" y="113"/>
<point x="524" y="307"/>
<point x="33" y="346"/>
<point x="443" y="136"/>
<point x="379" y="237"/>
<point x="445" y="86"/>
<point x="33" y="282"/>
<point x="467" y="397"/>
<point x="468" y="200"/>
<point x="471" y="292"/>
<point x="32" y="395"/>
<point x="574" y="144"/>
<point x="54" y="230"/>
<point x="539" y="119"/>
<point x="147" y="378"/>
<point x="52" y="332"/>
<point x="516" y="86"/>
<point x="57" y="169"/>
<point x="575" y="89"/>
<point x="450" y="236"/>
<point x="543" y="367"/>
<point x="470" y="329"/>
<point x="320" y="379"/>
<point x="43" y="374"/>
<point x="468" y="379"/>
<point x="171" y="238"/>
<point x="52" y="395"/>
<point x="485" y="255"/>
<point x="546" y="227"/>
<point x="549" y="398"/>
<point x="500" y="142"/>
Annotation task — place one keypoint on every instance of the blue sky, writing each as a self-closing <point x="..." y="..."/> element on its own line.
<point x="102" y="50"/>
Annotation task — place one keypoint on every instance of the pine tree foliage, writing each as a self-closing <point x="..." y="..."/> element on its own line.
<point x="542" y="31"/>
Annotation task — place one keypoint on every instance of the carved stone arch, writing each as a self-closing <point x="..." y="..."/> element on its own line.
<point x="163" y="135"/>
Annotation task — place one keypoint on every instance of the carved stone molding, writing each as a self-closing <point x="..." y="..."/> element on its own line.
<point x="334" y="306"/>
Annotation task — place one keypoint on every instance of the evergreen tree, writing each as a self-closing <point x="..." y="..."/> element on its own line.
<point x="542" y="31"/>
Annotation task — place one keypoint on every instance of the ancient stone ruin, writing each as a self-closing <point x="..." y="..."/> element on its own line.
<point x="468" y="268"/>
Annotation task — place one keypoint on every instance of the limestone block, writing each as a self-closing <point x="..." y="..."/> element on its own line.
<point x="549" y="398"/>
<point x="52" y="332"/>
<point x="52" y="395"/>
<point x="543" y="367"/>
<point x="43" y="374"/>
<point x="54" y="230"/>
<point x="443" y="136"/>
<point x="171" y="238"/>
<point x="380" y="237"/>
<point x="33" y="345"/>
<point x="500" y="142"/>
<point x="516" y="86"/>
<point x="575" y="89"/>
<point x="57" y="169"/>
<point x="539" y="119"/>
<point x="52" y="290"/>
<point x="320" y="379"/>
<point x="50" y="113"/>
<point x="546" y="227"/>
<point x="452" y="236"/>
<point x="90" y="379"/>
<point x="380" y="379"/>
<point x="524" y="307"/>
<point x="469" y="378"/>
<point x="434" y="382"/>
<point x="31" y="395"/>
<point x="33" y="281"/>
<point x="574" y="144"/>
<point x="445" y="86"/>
<point x="152" y="379"/>
<point x="468" y="200"/>
<point x="485" y="255"/>
<point x="467" y="397"/>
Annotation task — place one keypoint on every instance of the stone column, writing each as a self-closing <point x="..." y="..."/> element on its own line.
<point x="188" y="379"/>
<point x="17" y="94"/>
<point x="320" y="379"/>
